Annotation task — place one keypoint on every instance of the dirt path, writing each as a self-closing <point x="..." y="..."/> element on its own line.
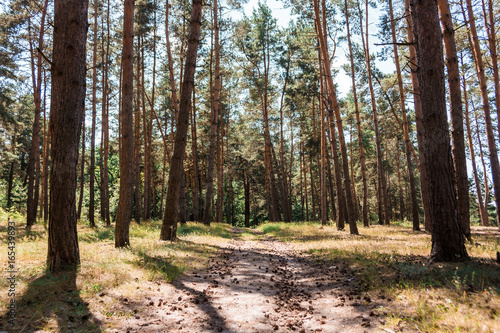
<point x="257" y="286"/>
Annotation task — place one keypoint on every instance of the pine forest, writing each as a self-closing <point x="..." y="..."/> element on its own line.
<point x="250" y="166"/>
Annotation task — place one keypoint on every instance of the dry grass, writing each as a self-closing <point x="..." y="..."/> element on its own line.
<point x="68" y="302"/>
<point x="391" y="263"/>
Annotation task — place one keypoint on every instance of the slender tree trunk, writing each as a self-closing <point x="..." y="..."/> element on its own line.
<point x="82" y="170"/>
<point x="34" y="156"/>
<point x="476" y="52"/>
<point x="424" y="187"/>
<point x="125" y="200"/>
<point x="169" y="225"/>
<point x="94" y="116"/>
<point x="137" y="138"/>
<point x="194" y="150"/>
<point x="105" y="127"/>
<point x="485" y="174"/>
<point x="246" y="187"/>
<point x="382" y="189"/>
<point x="402" y="99"/>
<point x="482" y="210"/>
<point x="46" y="152"/>
<point x="447" y="236"/>
<point x="287" y="207"/>
<point x="304" y="172"/>
<point x="220" y="170"/>
<point x="489" y="22"/>
<point x="66" y="116"/>
<point x="457" y="119"/>
<point x="209" y="185"/>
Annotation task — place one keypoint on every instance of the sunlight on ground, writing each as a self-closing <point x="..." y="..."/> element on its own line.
<point x="392" y="260"/>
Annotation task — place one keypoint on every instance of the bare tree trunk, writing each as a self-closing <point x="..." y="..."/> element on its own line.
<point x="482" y="210"/>
<point x="194" y="150"/>
<point x="424" y="187"/>
<point x="34" y="156"/>
<point x="125" y="200"/>
<point x="137" y="138"/>
<point x="489" y="22"/>
<point x="82" y="170"/>
<point x="402" y="99"/>
<point x="476" y="52"/>
<point x="66" y="116"/>
<point x="457" y="119"/>
<point x="94" y="116"/>
<point x="382" y="186"/>
<point x="215" y="93"/>
<point x="246" y="187"/>
<point x="447" y="236"/>
<point x="169" y="225"/>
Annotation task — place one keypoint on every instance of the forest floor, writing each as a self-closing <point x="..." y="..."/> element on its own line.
<point x="299" y="277"/>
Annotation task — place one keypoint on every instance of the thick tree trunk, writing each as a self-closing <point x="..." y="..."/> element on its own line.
<point x="169" y="225"/>
<point x="447" y="235"/>
<point x="125" y="200"/>
<point x="66" y="116"/>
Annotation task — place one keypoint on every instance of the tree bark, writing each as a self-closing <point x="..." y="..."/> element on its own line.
<point x="382" y="185"/>
<point x="482" y="209"/>
<point x="483" y="85"/>
<point x="402" y="99"/>
<point x="34" y="156"/>
<point x="424" y="187"/>
<point x="333" y="98"/>
<point x="457" y="119"/>
<point x="169" y="225"/>
<point x="66" y="116"/>
<point x="94" y="116"/>
<point x="447" y="235"/>
<point x="209" y="184"/>
<point x="125" y="200"/>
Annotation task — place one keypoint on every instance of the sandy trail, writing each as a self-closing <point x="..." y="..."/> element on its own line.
<point x="258" y="286"/>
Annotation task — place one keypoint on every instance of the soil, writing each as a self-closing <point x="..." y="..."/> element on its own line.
<point x="255" y="286"/>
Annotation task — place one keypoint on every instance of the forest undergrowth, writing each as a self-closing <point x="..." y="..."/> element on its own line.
<point x="389" y="263"/>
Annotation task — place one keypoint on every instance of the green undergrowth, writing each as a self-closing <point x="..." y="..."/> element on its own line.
<point x="391" y="263"/>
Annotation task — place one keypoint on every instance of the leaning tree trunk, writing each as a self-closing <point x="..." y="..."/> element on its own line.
<point x="333" y="96"/>
<point x="169" y="225"/>
<point x="447" y="235"/>
<point x="66" y="116"/>
<point x="483" y="86"/>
